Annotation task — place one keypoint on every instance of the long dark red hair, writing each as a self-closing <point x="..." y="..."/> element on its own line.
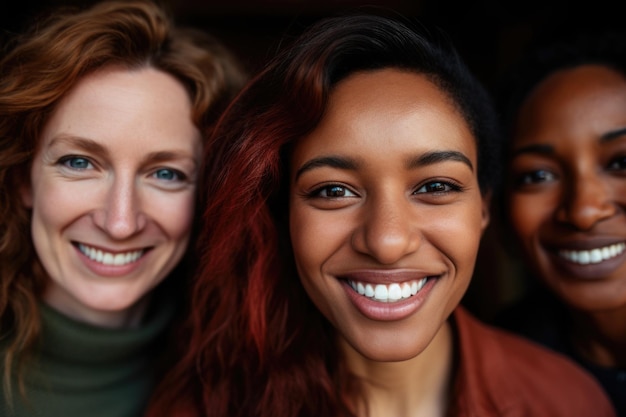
<point x="254" y="343"/>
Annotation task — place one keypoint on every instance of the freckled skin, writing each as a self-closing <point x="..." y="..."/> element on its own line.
<point x="109" y="174"/>
<point x="379" y="120"/>
<point x="584" y="196"/>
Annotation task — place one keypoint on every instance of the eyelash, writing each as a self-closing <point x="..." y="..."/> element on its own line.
<point x="539" y="176"/>
<point x="448" y="186"/>
<point x="67" y="159"/>
<point x="620" y="162"/>
<point x="533" y="177"/>
<point x="316" y="193"/>
<point x="179" y="175"/>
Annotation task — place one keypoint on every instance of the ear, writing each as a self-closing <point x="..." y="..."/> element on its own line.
<point x="26" y="194"/>
<point x="486" y="209"/>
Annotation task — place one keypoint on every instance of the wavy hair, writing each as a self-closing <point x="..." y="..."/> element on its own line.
<point x="38" y="70"/>
<point x="255" y="345"/>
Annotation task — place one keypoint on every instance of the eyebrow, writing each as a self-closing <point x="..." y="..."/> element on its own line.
<point x="92" y="146"/>
<point x="615" y="134"/>
<point x="328" y="161"/>
<point x="428" y="158"/>
<point x="80" y="142"/>
<point x="166" y="156"/>
<point x="534" y="148"/>
<point x="435" y="157"/>
<point x="545" y="149"/>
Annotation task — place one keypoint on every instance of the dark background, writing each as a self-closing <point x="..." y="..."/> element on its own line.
<point x="489" y="34"/>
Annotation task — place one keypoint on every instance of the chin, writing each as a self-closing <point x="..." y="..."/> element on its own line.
<point x="389" y="351"/>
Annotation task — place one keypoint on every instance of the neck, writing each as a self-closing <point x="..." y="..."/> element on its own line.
<point x="416" y="387"/>
<point x="600" y="336"/>
<point x="130" y="317"/>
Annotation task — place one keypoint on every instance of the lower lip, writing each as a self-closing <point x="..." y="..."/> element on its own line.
<point x="595" y="271"/>
<point x="392" y="311"/>
<point x="110" y="270"/>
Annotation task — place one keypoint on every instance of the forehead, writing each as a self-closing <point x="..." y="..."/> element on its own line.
<point x="141" y="106"/>
<point x="585" y="98"/>
<point x="391" y="109"/>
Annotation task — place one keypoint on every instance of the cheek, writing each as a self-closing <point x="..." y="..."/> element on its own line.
<point x="307" y="235"/>
<point x="461" y="233"/>
<point x="315" y="236"/>
<point x="56" y="205"/>
<point x="527" y="213"/>
<point x="456" y="237"/>
<point x="174" y="213"/>
<point x="313" y="242"/>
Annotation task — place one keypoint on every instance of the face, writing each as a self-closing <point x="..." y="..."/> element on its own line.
<point x="568" y="185"/>
<point x="112" y="191"/>
<point x="386" y="213"/>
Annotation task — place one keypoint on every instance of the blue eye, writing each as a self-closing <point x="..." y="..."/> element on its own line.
<point x="168" y="174"/>
<point x="76" y="162"/>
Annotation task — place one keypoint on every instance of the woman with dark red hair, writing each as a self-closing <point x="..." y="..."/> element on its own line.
<point x="348" y="190"/>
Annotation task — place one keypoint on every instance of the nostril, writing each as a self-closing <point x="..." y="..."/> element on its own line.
<point x="121" y="225"/>
<point x="585" y="216"/>
<point x="585" y="206"/>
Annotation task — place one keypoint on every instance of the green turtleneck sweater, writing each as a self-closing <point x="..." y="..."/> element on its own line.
<point x="84" y="370"/>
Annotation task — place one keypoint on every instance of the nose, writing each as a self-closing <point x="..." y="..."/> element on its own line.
<point x="585" y="201"/>
<point x="387" y="231"/>
<point x="120" y="215"/>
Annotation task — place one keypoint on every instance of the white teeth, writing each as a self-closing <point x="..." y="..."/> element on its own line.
<point x="388" y="293"/>
<point x="381" y="292"/>
<point x="406" y="290"/>
<point x="108" y="258"/>
<point x="594" y="256"/>
<point x="395" y="292"/>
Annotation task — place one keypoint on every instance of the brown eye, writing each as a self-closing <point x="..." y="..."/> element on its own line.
<point x="437" y="187"/>
<point x="336" y="191"/>
<point x="534" y="177"/>
<point x="618" y="164"/>
<point x="333" y="191"/>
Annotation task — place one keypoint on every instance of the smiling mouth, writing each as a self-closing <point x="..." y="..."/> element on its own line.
<point x="593" y="256"/>
<point x="109" y="258"/>
<point x="389" y="293"/>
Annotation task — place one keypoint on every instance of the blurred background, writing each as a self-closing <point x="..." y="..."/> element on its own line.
<point x="489" y="34"/>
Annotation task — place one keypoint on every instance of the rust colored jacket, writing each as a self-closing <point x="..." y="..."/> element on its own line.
<point x="504" y="375"/>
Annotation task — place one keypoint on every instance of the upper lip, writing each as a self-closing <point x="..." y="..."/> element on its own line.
<point x="387" y="276"/>
<point x="587" y="243"/>
<point x="109" y="250"/>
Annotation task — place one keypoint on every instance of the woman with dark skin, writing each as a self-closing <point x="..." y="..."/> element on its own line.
<point x="565" y="201"/>
<point x="348" y="189"/>
<point x="103" y="115"/>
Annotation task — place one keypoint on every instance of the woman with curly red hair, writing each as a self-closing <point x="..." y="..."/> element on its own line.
<point x="103" y="115"/>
